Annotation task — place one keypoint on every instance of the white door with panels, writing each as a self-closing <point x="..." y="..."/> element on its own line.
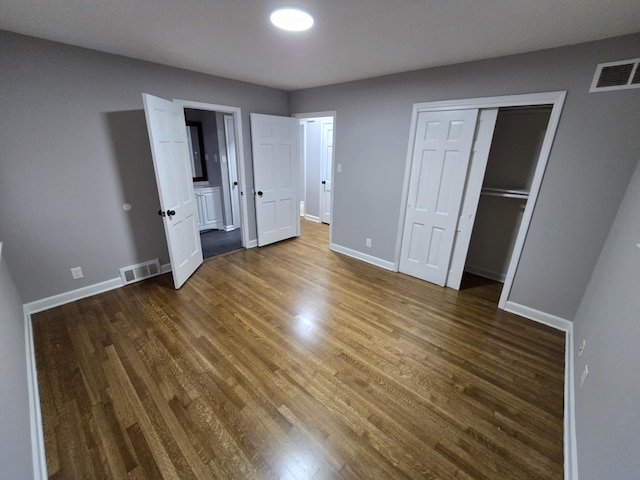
<point x="441" y="152"/>
<point x="276" y="176"/>
<point x="232" y="162"/>
<point x="326" y="165"/>
<point x="171" y="162"/>
<point x="479" y="157"/>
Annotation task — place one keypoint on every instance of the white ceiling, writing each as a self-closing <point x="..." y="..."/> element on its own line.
<point x="351" y="39"/>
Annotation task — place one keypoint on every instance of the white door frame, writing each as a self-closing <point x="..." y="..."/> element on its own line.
<point x="333" y="114"/>
<point x="556" y="99"/>
<point x="237" y="118"/>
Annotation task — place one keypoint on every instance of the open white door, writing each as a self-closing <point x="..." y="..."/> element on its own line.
<point x="276" y="167"/>
<point x="441" y="152"/>
<point x="232" y="167"/>
<point x="479" y="157"/>
<point x="170" y="152"/>
<point x="326" y="162"/>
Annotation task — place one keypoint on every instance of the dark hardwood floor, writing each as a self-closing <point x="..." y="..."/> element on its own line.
<point x="294" y="362"/>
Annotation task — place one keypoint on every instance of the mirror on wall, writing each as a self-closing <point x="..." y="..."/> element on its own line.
<point x="196" y="151"/>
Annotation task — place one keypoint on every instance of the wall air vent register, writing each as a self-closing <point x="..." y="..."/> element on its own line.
<point x="619" y="75"/>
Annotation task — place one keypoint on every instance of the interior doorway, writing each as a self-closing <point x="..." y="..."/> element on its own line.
<point x="317" y="159"/>
<point x="213" y="163"/>
<point x="215" y="154"/>
<point x="474" y="170"/>
<point x="317" y="153"/>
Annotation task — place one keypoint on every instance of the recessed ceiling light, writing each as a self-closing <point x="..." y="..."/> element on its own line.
<point x="292" y="19"/>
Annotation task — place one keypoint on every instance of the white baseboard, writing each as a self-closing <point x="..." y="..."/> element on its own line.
<point x="71" y="296"/>
<point x="482" y="272"/>
<point x="539" y="316"/>
<point x="229" y="228"/>
<point x="252" y="243"/>
<point x="38" y="456"/>
<point x="84" y="292"/>
<point x="570" y="446"/>
<point x="311" y="218"/>
<point x="378" y="262"/>
<point x="166" y="268"/>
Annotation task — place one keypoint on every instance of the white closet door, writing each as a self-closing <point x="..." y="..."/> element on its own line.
<point x="441" y="154"/>
<point x="170" y="152"/>
<point x="276" y="177"/>
<point x="479" y="156"/>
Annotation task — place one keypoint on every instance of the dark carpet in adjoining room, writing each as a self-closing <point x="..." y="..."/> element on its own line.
<point x="217" y="242"/>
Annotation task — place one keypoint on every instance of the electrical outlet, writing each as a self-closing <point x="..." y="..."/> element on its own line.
<point x="583" y="377"/>
<point x="368" y="243"/>
<point x="76" y="273"/>
<point x="581" y="348"/>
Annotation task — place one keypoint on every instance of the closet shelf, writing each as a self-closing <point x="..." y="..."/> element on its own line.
<point x="505" y="192"/>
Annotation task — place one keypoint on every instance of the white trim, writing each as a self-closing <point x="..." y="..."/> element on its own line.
<point x="35" y="414"/>
<point x="548" y="319"/>
<point x="229" y="228"/>
<point x="72" y="296"/>
<point x="237" y="117"/>
<point x="252" y="243"/>
<point x="331" y="113"/>
<point x="569" y="440"/>
<point x="483" y="272"/>
<point x="378" y="262"/>
<point x="570" y="445"/>
<point x="311" y="218"/>
<point x="546" y="98"/>
<point x="166" y="268"/>
<point x="80" y="293"/>
<point x="536" y="183"/>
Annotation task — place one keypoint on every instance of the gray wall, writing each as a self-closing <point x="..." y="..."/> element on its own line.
<point x="75" y="148"/>
<point x="15" y="441"/>
<point x="591" y="161"/>
<point x="608" y="404"/>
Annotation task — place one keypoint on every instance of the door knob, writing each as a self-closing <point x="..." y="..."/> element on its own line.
<point x="171" y="213"/>
<point x="235" y="184"/>
<point x="259" y="193"/>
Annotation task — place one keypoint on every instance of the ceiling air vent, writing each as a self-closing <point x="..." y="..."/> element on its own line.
<point x="616" y="76"/>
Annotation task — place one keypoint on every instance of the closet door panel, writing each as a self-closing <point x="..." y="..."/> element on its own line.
<point x="479" y="156"/>
<point x="438" y="172"/>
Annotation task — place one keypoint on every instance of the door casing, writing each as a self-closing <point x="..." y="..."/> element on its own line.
<point x="556" y="99"/>
<point x="237" y="119"/>
<point x="333" y="114"/>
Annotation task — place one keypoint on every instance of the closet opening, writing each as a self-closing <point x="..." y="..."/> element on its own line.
<point x="515" y="148"/>
<point x="472" y="178"/>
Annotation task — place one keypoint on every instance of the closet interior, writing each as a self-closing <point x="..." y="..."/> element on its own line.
<point x="513" y="156"/>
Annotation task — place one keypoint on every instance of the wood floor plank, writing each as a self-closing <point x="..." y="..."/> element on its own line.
<point x="292" y="361"/>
